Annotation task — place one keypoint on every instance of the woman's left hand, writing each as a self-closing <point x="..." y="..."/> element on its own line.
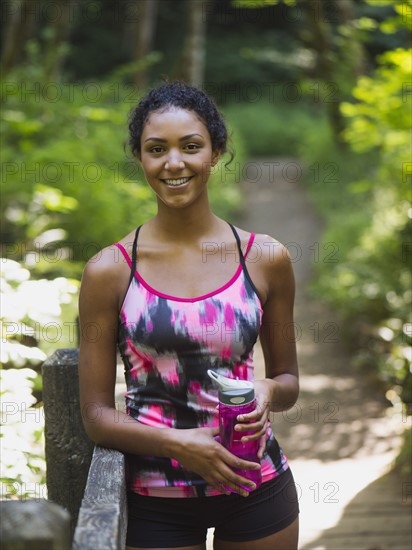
<point x="257" y="420"/>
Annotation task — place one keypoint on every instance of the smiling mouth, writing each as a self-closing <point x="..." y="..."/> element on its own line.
<point x="176" y="182"/>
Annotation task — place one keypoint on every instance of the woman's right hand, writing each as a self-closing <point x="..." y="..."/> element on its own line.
<point x="198" y="451"/>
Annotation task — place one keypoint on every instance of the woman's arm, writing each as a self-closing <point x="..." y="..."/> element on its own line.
<point x="99" y="299"/>
<point x="196" y="449"/>
<point x="280" y="389"/>
<point x="277" y="335"/>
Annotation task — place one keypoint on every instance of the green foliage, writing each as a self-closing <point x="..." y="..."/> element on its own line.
<point x="65" y="167"/>
<point x="22" y="441"/>
<point x="224" y="191"/>
<point x="371" y="283"/>
<point x="261" y="3"/>
<point x="379" y="117"/>
<point x="252" y="67"/>
<point x="271" y="128"/>
<point x="37" y="316"/>
<point x="402" y="19"/>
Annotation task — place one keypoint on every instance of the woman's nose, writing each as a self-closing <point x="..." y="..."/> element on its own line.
<point x="174" y="161"/>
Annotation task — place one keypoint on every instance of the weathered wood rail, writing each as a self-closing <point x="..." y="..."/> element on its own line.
<point x="88" y="481"/>
<point x="102" y="521"/>
<point x="68" y="449"/>
<point x="34" y="525"/>
<point x="86" y="507"/>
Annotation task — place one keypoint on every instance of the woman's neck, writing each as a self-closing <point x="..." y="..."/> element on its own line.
<point x="184" y="224"/>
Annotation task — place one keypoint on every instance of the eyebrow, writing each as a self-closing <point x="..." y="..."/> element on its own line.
<point x="164" y="140"/>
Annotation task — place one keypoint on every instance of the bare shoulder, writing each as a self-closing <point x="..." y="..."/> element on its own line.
<point x="269" y="264"/>
<point x="273" y="253"/>
<point x="110" y="261"/>
<point x="105" y="277"/>
<point x="104" y="264"/>
<point x="270" y="252"/>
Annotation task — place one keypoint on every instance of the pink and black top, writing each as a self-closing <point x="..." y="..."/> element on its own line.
<point x="167" y="345"/>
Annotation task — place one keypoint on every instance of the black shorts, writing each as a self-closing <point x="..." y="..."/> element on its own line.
<point x="169" y="522"/>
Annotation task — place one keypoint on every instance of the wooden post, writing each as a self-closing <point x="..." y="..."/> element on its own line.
<point x="102" y="519"/>
<point x="68" y="449"/>
<point x="34" y="525"/>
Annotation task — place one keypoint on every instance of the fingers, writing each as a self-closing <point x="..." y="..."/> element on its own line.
<point x="260" y="415"/>
<point x="252" y="426"/>
<point x="249" y="416"/>
<point x="226" y="476"/>
<point x="261" y="410"/>
<point x="219" y="467"/>
<point x="243" y="490"/>
<point x="258" y="429"/>
<point x="235" y="461"/>
<point x="232" y="472"/>
<point x="236" y="483"/>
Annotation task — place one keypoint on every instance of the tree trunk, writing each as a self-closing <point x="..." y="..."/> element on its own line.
<point x="146" y="25"/>
<point x="20" y="23"/>
<point x="353" y="46"/>
<point x="194" y="50"/>
<point x="321" y="41"/>
<point x="60" y="29"/>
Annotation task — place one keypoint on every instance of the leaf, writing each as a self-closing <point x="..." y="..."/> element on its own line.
<point x="53" y="199"/>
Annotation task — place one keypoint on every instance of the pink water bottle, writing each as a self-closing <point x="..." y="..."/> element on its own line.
<point x="237" y="397"/>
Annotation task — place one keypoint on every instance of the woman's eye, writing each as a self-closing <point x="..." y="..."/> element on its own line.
<point x="192" y="146"/>
<point x="156" y="149"/>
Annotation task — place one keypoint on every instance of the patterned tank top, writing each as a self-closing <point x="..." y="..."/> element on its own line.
<point x="167" y="345"/>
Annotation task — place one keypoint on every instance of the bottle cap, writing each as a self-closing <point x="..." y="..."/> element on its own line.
<point x="233" y="392"/>
<point x="242" y="396"/>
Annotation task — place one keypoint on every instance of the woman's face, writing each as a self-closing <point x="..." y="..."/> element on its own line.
<point x="176" y="156"/>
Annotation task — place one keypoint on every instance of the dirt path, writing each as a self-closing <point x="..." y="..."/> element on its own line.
<point x="340" y="437"/>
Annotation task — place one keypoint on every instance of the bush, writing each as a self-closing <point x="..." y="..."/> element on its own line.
<point x="368" y="215"/>
<point x="37" y="316"/>
<point x="65" y="169"/>
<point x="271" y="129"/>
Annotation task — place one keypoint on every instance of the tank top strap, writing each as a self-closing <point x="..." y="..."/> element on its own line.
<point x="134" y="254"/>
<point x="242" y="259"/>
<point x="131" y="262"/>
<point x="249" y="244"/>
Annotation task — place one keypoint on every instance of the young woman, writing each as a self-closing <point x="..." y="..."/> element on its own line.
<point x="177" y="301"/>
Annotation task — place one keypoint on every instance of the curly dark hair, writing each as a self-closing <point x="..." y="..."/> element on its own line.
<point x="181" y="95"/>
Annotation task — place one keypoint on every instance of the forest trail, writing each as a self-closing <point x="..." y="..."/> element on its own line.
<point x="340" y="437"/>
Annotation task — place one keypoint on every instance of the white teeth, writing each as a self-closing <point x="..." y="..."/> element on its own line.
<point x="177" y="181"/>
